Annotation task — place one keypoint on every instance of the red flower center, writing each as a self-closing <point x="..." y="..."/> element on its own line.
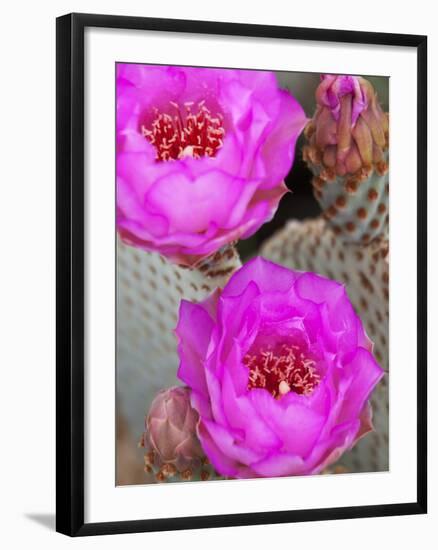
<point x="185" y="133"/>
<point x="282" y="369"/>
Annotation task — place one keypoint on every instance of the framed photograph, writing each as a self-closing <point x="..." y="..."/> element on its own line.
<point x="241" y="274"/>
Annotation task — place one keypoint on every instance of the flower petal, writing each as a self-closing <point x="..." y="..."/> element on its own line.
<point x="365" y="373"/>
<point x="279" y="464"/>
<point x="193" y="344"/>
<point x="267" y="275"/>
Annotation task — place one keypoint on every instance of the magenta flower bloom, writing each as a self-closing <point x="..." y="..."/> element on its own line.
<point x="201" y="156"/>
<point x="280" y="371"/>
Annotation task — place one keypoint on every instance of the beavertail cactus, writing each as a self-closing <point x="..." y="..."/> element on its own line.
<point x="173" y="448"/>
<point x="347" y="152"/>
<point x="180" y="279"/>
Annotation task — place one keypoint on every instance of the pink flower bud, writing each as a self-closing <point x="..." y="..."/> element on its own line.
<point x="171" y="428"/>
<point x="349" y="131"/>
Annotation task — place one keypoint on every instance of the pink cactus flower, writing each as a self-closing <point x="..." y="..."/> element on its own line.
<point x="280" y="371"/>
<point x="201" y="156"/>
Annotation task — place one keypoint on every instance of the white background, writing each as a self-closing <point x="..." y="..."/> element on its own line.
<point x="28" y="283"/>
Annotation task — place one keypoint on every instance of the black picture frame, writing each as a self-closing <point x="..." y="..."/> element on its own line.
<point x="70" y="273"/>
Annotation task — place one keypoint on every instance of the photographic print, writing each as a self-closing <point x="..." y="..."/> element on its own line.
<point x="235" y="275"/>
<point x="252" y="274"/>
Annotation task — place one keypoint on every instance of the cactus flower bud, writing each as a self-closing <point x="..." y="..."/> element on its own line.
<point x="347" y="153"/>
<point x="349" y="132"/>
<point x="171" y="428"/>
